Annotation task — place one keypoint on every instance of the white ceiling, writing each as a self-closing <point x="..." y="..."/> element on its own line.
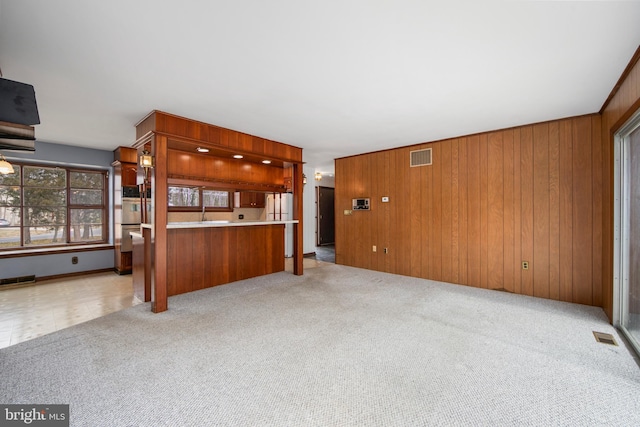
<point x="333" y="77"/>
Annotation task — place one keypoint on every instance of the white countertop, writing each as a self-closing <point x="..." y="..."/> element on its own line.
<point x="173" y="225"/>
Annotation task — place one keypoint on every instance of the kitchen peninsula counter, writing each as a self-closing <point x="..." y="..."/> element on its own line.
<point x="201" y="255"/>
<point x="239" y="223"/>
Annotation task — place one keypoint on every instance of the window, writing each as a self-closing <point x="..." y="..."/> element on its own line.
<point x="189" y="199"/>
<point x="41" y="205"/>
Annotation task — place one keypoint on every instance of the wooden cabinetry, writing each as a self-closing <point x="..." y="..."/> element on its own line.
<point x="250" y="199"/>
<point x="129" y="174"/>
<point x="125" y="171"/>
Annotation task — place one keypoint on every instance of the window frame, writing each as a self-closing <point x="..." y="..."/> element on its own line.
<point x="198" y="208"/>
<point x="68" y="207"/>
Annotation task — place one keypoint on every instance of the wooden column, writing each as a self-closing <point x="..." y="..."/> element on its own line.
<point x="298" y="248"/>
<point x="159" y="189"/>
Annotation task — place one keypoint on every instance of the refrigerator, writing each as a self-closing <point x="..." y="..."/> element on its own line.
<point x="280" y="208"/>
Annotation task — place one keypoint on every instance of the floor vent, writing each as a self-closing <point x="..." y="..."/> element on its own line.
<point x="18" y="280"/>
<point x="421" y="157"/>
<point x="605" y="338"/>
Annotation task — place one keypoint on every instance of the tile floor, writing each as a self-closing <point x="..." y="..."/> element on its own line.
<point x="31" y="311"/>
<point x="34" y="310"/>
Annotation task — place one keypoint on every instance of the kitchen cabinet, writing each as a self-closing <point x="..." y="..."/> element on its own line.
<point x="250" y="199"/>
<point x="125" y="170"/>
<point x="129" y="173"/>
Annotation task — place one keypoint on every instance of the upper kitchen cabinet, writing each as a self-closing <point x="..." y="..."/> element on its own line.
<point x="129" y="174"/>
<point x="125" y="167"/>
<point x="251" y="199"/>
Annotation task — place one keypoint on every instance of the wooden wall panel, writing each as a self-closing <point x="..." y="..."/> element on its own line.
<point x="517" y="215"/>
<point x="446" y="242"/>
<point x="541" y="184"/>
<point x="473" y="226"/>
<point x="526" y="205"/>
<point x="484" y="210"/>
<point x="554" y="210"/>
<point x="415" y="218"/>
<point x="496" y="210"/>
<point x="510" y="262"/>
<point x="435" y="226"/>
<point x="582" y="212"/>
<point x="487" y="203"/>
<point x="463" y="217"/>
<point x="454" y="191"/>
<point x="597" y="190"/>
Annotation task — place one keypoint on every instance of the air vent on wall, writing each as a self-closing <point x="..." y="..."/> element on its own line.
<point x="421" y="157"/>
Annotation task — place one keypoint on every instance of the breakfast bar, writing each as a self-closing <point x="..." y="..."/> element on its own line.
<point x="209" y="253"/>
<point x="204" y="254"/>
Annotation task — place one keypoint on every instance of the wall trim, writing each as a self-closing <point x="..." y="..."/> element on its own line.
<point x="41" y="279"/>
<point x="74" y="274"/>
<point x="19" y="253"/>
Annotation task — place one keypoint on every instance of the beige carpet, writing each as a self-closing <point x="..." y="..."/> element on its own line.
<point x="338" y="346"/>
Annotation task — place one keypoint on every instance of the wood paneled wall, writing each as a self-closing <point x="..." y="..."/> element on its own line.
<point x="487" y="203"/>
<point x="617" y="110"/>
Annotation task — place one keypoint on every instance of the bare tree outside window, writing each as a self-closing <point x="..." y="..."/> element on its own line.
<point x="43" y="205"/>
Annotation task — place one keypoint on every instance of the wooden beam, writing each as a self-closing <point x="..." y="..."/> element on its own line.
<point x="298" y="248"/>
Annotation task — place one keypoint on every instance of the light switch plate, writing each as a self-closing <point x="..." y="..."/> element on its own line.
<point x="385" y="199"/>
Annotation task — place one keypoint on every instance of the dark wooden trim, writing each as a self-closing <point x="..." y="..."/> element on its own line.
<point x="309" y="255"/>
<point x="623" y="77"/>
<point x="623" y="119"/>
<point x="74" y="249"/>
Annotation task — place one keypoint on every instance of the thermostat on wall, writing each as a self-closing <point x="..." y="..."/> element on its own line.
<point x="361" y="204"/>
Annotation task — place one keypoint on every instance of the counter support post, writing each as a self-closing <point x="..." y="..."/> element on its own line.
<point x="298" y="248"/>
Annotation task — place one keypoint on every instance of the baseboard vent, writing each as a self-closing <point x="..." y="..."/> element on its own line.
<point x="420" y="157"/>
<point x="605" y="338"/>
<point x="18" y="280"/>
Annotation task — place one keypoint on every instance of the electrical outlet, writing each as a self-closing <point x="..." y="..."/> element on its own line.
<point x="525" y="265"/>
<point x="347" y="212"/>
<point x="375" y="249"/>
<point x="386" y="250"/>
<point x="74" y="260"/>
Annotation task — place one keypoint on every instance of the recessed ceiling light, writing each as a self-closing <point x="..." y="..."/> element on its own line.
<point x="238" y="156"/>
<point x="202" y="150"/>
<point x="266" y="162"/>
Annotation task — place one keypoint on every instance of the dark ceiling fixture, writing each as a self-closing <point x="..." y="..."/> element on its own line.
<point x="18" y="114"/>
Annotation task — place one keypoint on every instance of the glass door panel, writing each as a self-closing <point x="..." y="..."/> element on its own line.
<point x="631" y="236"/>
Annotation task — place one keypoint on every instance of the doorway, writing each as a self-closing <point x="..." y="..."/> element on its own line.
<point x="326" y="223"/>
<point x="627" y="231"/>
